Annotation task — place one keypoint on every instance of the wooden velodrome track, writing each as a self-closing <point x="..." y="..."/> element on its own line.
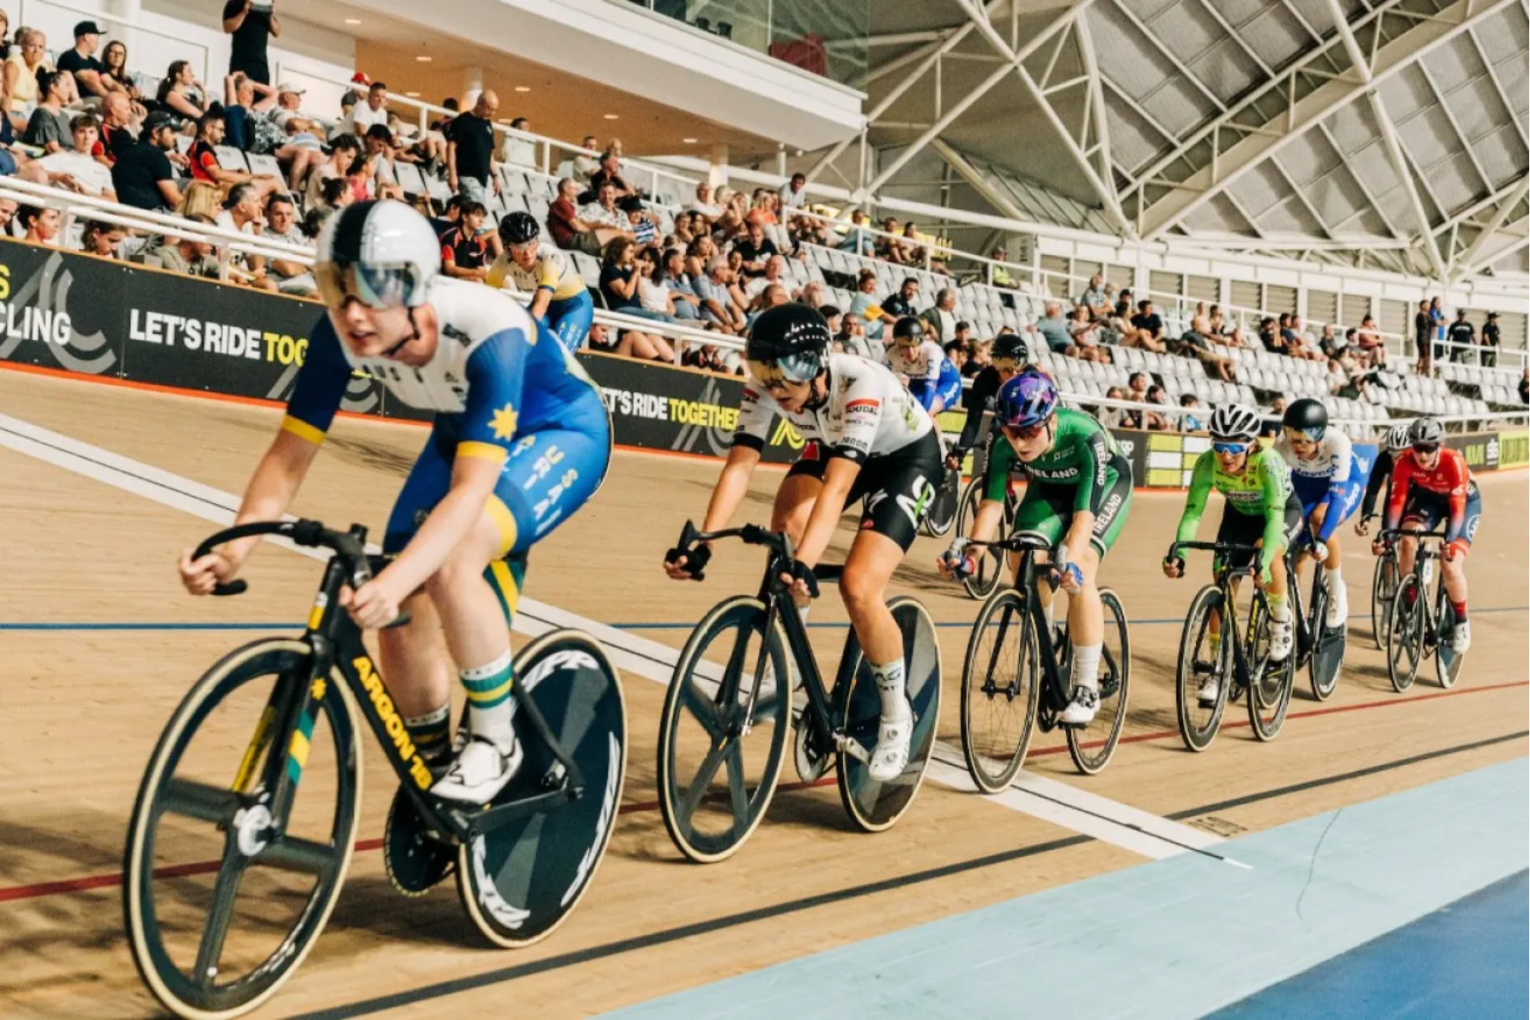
<point x="84" y="704"/>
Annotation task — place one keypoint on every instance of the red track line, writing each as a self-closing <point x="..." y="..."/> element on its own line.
<point x="87" y="883"/>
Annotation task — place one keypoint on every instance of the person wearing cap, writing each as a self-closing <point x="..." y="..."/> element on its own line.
<point x="89" y="73"/>
<point x="302" y="150"/>
<point x="1491" y="339"/>
<point x="252" y="26"/>
<point x="142" y="176"/>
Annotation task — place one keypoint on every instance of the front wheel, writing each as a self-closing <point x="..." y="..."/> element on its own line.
<point x="1270" y="682"/>
<point x="239" y="842"/>
<point x="1383" y="589"/>
<point x="1001" y="686"/>
<point x="1204" y="669"/>
<point x="1405" y="639"/>
<point x="1092" y="746"/>
<point x="1326" y="655"/>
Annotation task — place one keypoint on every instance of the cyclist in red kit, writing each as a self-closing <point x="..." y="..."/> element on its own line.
<point x="1431" y="484"/>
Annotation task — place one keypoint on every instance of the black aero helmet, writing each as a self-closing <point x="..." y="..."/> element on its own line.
<point x="908" y="328"/>
<point x="788" y="342"/>
<point x="1308" y="417"/>
<point x="519" y="228"/>
<point x="1008" y="347"/>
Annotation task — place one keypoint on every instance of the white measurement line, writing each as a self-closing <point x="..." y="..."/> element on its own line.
<point x="1052" y="801"/>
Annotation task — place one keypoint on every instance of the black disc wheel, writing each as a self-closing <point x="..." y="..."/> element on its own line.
<point x="1447" y="661"/>
<point x="990" y="561"/>
<point x="875" y="806"/>
<point x="941" y="514"/>
<point x="1405" y="638"/>
<point x="1383" y="589"/>
<point x="1326" y="656"/>
<point x="520" y="880"/>
<point x="1001" y="687"/>
<point x="725" y="730"/>
<point x="1092" y="746"/>
<point x="242" y="832"/>
<point x="1203" y="658"/>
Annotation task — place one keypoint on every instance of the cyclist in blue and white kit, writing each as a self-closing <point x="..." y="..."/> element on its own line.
<point x="521" y="440"/>
<point x="933" y="380"/>
<point x="1328" y="476"/>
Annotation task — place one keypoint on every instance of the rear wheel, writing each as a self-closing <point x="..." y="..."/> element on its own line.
<point x="1199" y="720"/>
<point x="941" y="515"/>
<point x="223" y="900"/>
<point x="1447" y="661"/>
<point x="724" y="730"/>
<point x="1092" y="746"/>
<point x="990" y="561"/>
<point x="1001" y="687"/>
<point x="1405" y="639"/>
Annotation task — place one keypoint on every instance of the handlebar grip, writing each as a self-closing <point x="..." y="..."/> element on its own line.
<point x="238" y="586"/>
<point x="687" y="535"/>
<point x="403" y="619"/>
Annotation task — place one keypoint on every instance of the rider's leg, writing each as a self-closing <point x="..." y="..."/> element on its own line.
<point x="419" y="677"/>
<point x="863" y="585"/>
<point x="1280" y="609"/>
<point x="1086" y="633"/>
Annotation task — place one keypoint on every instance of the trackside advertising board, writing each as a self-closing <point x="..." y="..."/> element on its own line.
<point x="99" y="317"/>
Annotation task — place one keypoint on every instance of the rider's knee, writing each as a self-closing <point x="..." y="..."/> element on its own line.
<point x="861" y="595"/>
<point x="454" y="578"/>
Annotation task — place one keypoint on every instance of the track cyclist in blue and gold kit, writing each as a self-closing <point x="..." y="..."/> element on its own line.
<point x="521" y="440"/>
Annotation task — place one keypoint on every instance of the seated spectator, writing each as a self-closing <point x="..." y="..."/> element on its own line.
<point x="852" y="339"/>
<point x="114" y="61"/>
<point x="1117" y="417"/>
<point x="775" y="272"/>
<point x="1149" y="328"/>
<point x="858" y="238"/>
<point x="585" y="165"/>
<point x="1338" y="379"/>
<point x="1269" y="336"/>
<point x="247" y="105"/>
<point x="605" y="212"/>
<point x="291" y="277"/>
<point x="80" y="62"/>
<point x="703" y="206"/>
<point x="901" y="303"/>
<point x="42" y="225"/>
<point x="762" y="208"/>
<point x="204" y="158"/>
<point x="76" y="167"/>
<point x="291" y="137"/>
<point x="697" y="254"/>
<point x="243" y="213"/>
<point x="142" y="176"/>
<point x="619" y="277"/>
<point x="9" y="209"/>
<point x="1372" y="349"/>
<point x="1084" y="332"/>
<point x="793" y="193"/>
<point x="569" y="231"/>
<point x="464" y="251"/>
<point x="685" y="302"/>
<point x="118" y="129"/>
<point x="1270" y="426"/>
<point x="979" y="357"/>
<point x="1093" y="296"/>
<point x="654" y="292"/>
<point x="186" y="256"/>
<point x="347" y="150"/>
<point x="1197" y="341"/>
<point x="940" y="320"/>
<point x="103" y="240"/>
<point x="1157" y="422"/>
<point x="831" y="315"/>
<point x="756" y="250"/>
<point x="609" y="172"/>
<point x="1001" y="277"/>
<point x="19" y="88"/>
<point x="365" y="114"/>
<point x="718" y="306"/>
<point x="181" y="93"/>
<point x="864" y="305"/>
<point x="913" y="245"/>
<point x="1190" y="422"/>
<point x="1054" y="328"/>
<point x="50" y="125"/>
<point x="379" y="163"/>
<point x="643" y="223"/>
<point x="889" y="247"/>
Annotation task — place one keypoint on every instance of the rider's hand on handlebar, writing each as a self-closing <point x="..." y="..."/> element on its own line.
<point x="801" y="580"/>
<point x="200" y="576"/>
<point x="1174" y="567"/>
<point x="372" y="606"/>
<point x="1362" y="526"/>
<point x="954" y="459"/>
<point x="1380" y="546"/>
<point x="1318" y="551"/>
<point x="687" y="565"/>
<point x="1456" y="550"/>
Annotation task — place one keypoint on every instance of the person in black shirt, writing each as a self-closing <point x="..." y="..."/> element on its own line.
<point x="252" y="25"/>
<point x="1491" y="339"/>
<point x="89" y="73"/>
<point x="1462" y="335"/>
<point x="464" y="252"/>
<point x="756" y="250"/>
<point x="610" y="170"/>
<point x="1422" y="328"/>
<point x="902" y="303"/>
<point x="142" y="177"/>
<point x="1147" y="321"/>
<point x="1008" y="356"/>
<point x="470" y="150"/>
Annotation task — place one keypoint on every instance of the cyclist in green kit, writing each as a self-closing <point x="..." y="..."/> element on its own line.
<point x="1077" y="498"/>
<point x="1262" y="509"/>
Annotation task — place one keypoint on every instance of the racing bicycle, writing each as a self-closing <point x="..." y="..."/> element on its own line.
<point x="1315" y="645"/>
<point x="240" y="841"/>
<point x="1421" y="626"/>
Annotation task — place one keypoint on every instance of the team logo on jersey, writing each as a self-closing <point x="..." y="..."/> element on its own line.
<point x="787" y="435"/>
<point x="504" y="421"/>
<point x="918" y="500"/>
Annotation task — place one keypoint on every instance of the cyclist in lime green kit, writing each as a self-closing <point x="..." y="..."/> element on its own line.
<point x="1262" y="509"/>
<point x="1077" y="499"/>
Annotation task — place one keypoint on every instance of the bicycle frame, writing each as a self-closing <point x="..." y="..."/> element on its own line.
<point x="337" y="648"/>
<point x="1057" y="693"/>
<point x="1229" y="618"/>
<point x="1425" y="553"/>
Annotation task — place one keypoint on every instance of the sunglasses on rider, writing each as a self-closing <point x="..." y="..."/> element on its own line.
<point x="1007" y="364"/>
<point x="770" y="375"/>
<point x="1300" y="436"/>
<point x="1024" y="432"/>
<point x="378" y="287"/>
<point x="1230" y="449"/>
<point x="1425" y="447"/>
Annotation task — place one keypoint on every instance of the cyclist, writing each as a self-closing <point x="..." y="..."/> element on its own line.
<point x="933" y="380"/>
<point x="1431" y="484"/>
<point x="868" y="437"/>
<point x="1077" y="499"/>
<point x="559" y="295"/>
<point x="521" y="440"/>
<point x="1261" y="510"/>
<point x="1393" y="444"/>
<point x="1326" y="473"/>
<point x="1007" y="356"/>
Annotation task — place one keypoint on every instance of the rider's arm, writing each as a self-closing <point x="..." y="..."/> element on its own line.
<point x="1380" y="472"/>
<point x="1402" y="477"/>
<point x="1094" y="459"/>
<point x="495" y="377"/>
<point x="1341" y="460"/>
<point x="1275" y="493"/>
<point x="1195" y="499"/>
<point x="984" y="386"/>
<point x="756" y="410"/>
<point x="838" y="477"/>
<point x="1460" y="480"/>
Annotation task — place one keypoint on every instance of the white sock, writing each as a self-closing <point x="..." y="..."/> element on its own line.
<point x="891" y="685"/>
<point x="803" y="612"/>
<point x="1332" y="581"/>
<point x="1086" y="666"/>
<point x="491" y="708"/>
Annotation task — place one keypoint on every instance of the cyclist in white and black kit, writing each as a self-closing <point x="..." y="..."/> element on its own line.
<point x="867" y="437"/>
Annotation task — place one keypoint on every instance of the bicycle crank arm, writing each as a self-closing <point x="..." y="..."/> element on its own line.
<point x="854" y="748"/>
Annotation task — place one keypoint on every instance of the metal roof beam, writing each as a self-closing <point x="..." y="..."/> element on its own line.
<point x="1455" y="125"/>
<point x="1400" y="167"/>
<point x="1473" y="255"/>
<point x="1503" y="94"/>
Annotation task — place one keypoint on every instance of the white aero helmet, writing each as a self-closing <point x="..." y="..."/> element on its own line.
<point x="1397" y="438"/>
<point x="1234" y="421"/>
<point x="382" y="253"/>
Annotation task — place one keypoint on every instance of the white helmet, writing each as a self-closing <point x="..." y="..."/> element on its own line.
<point x="1397" y="438"/>
<point x="1234" y="421"/>
<point x="382" y="253"/>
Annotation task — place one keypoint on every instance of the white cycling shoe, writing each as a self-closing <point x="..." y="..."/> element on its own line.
<point x="1280" y="640"/>
<point x="890" y="757"/>
<point x="1338" y="606"/>
<point x="480" y="772"/>
<point x="1082" y="708"/>
<point x="1210" y="688"/>
<point x="1461" y="637"/>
